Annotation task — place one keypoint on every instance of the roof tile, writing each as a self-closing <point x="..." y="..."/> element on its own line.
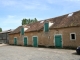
<point x="59" y="22"/>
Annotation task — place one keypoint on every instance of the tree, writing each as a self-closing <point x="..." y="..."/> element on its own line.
<point x="0" y="29"/>
<point x="24" y="21"/>
<point x="28" y="21"/>
<point x="35" y="19"/>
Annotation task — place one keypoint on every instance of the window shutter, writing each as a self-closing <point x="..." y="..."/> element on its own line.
<point x="46" y="27"/>
<point x="22" y="31"/>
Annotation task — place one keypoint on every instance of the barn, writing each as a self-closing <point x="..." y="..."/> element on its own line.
<point x="60" y="32"/>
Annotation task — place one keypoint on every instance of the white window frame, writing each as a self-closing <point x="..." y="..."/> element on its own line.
<point x="71" y="37"/>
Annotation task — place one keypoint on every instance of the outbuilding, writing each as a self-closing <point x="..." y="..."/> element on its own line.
<point x="59" y="32"/>
<point x="4" y="36"/>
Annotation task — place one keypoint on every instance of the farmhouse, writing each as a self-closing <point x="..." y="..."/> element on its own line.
<point x="59" y="32"/>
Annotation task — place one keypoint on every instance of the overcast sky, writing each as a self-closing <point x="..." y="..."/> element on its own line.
<point x="13" y="11"/>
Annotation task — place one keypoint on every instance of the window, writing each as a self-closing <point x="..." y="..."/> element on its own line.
<point x="22" y="31"/>
<point x="73" y="36"/>
<point x="46" y="27"/>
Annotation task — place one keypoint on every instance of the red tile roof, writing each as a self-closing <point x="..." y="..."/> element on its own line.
<point x="31" y="27"/>
<point x="35" y="26"/>
<point x="66" y="21"/>
<point x="58" y="22"/>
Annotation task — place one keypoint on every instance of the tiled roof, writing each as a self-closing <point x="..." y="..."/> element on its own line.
<point x="6" y="31"/>
<point x="35" y="26"/>
<point x="17" y="30"/>
<point x="30" y="27"/>
<point x="68" y="20"/>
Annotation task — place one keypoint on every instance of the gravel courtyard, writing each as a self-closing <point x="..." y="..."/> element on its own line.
<point x="32" y="53"/>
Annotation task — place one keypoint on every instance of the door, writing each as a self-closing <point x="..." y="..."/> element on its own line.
<point x="58" y="41"/>
<point x="35" y="42"/>
<point x="15" y="41"/>
<point x="25" y="41"/>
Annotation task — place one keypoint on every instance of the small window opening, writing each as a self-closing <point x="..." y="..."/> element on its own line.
<point x="73" y="36"/>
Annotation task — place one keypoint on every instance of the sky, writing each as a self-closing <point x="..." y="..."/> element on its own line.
<point x="13" y="11"/>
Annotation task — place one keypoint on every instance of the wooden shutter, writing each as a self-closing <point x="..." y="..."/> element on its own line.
<point x="46" y="27"/>
<point x="22" y="31"/>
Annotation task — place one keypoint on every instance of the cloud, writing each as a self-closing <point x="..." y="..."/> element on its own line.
<point x="36" y="4"/>
<point x="10" y="22"/>
<point x="60" y="1"/>
<point x="16" y="10"/>
<point x="10" y="16"/>
<point x="64" y="3"/>
<point x="10" y="19"/>
<point x="7" y="2"/>
<point x="73" y="0"/>
<point x="28" y="5"/>
<point x="24" y="4"/>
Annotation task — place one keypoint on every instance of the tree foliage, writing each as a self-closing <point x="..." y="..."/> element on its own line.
<point x="28" y="21"/>
<point x="0" y="29"/>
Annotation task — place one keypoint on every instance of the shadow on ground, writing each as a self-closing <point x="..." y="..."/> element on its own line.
<point x="75" y="53"/>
